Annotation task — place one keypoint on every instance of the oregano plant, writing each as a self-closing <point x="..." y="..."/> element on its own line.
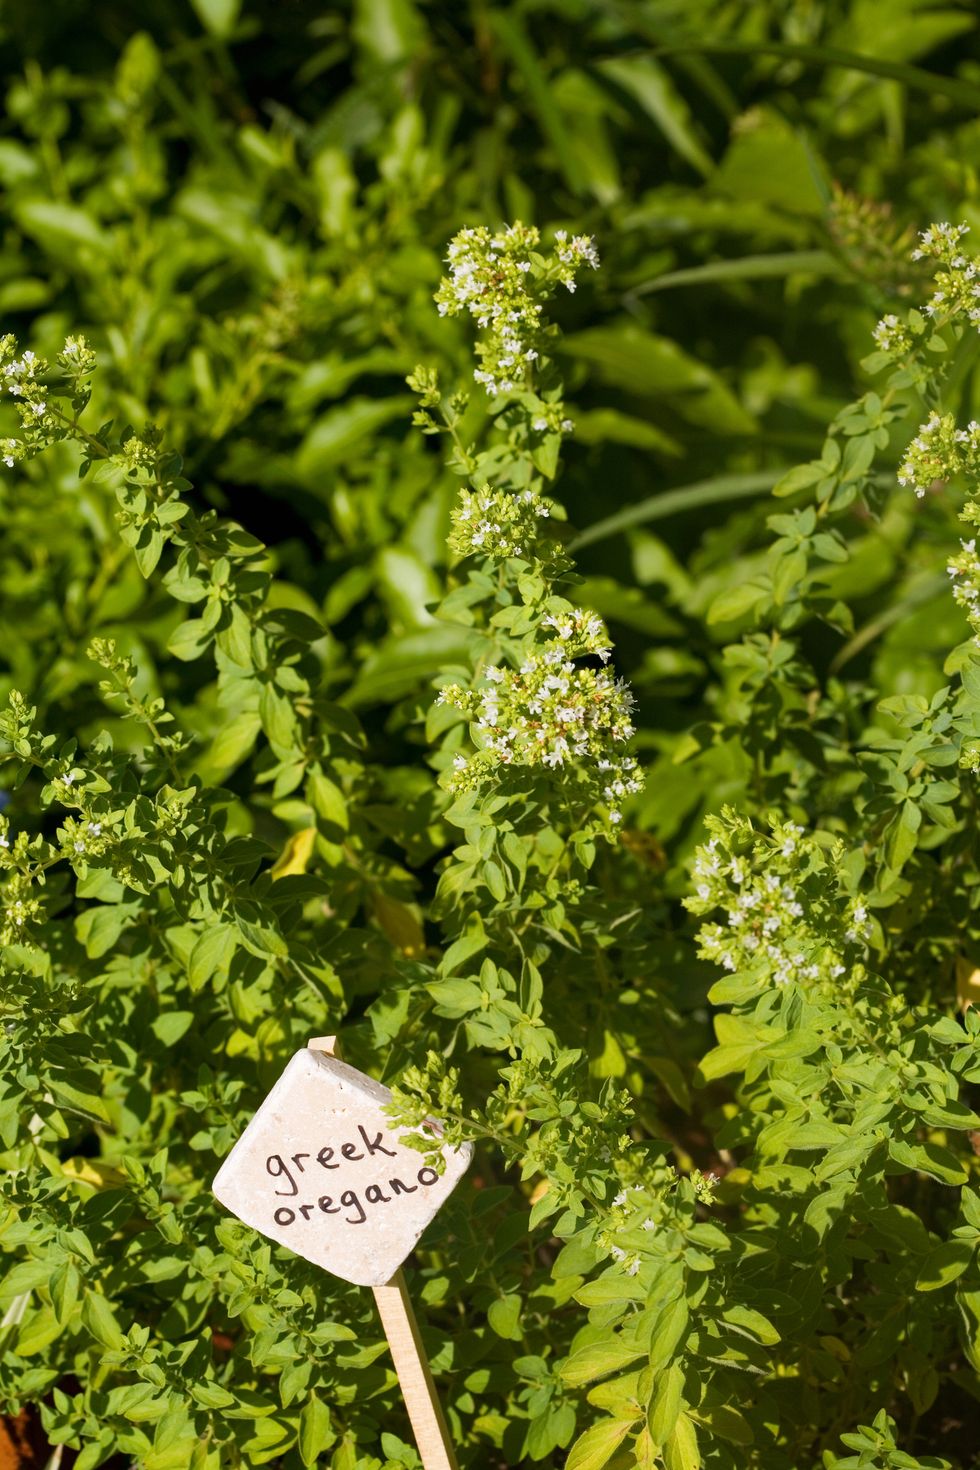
<point x="762" y="1255"/>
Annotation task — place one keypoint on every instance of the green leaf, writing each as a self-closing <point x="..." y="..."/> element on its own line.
<point x="342" y="431"/>
<point x="78" y="1091"/>
<point x="826" y="1208"/>
<point x="901" y="833"/>
<point x="37" y="1332"/>
<point x="651" y="86"/>
<point x="970" y="1205"/>
<point x="665" y="1404"/>
<point x="747" y="1320"/>
<point x="219" y="17"/>
<point x="736" y="602"/>
<point x="279" y="719"/>
<point x="549" y="1431"/>
<point x="928" y="1158"/>
<point x="721" y="490"/>
<point x="315" y="1431"/>
<point x="771" y="162"/>
<point x="504" y="1316"/>
<point x="170" y="1027"/>
<point x="597" y="1359"/>
<point x="147" y="550"/>
<point x="752" y="268"/>
<point x="463" y="949"/>
<point x="597" y="1445"/>
<point x="494" y="879"/>
<point x="681" y="1450"/>
<point x="328" y="800"/>
<point x="229" y="747"/>
<point x="801" y="477"/>
<point x="236" y="639"/>
<point x="211" y="953"/>
<point x="65" y="1285"/>
<point x="669" y="1333"/>
<point x="407" y="585"/>
<point x="61" y="227"/>
<point x="99" y="928"/>
<point x="945" y="1264"/>
<point x="99" y="1319"/>
<point x="724" y="1060"/>
<point x="606" y="1289"/>
<point x="725" y="1422"/>
<point x="788" y="572"/>
<point x="189" y="641"/>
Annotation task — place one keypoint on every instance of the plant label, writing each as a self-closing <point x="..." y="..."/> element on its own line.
<point x="320" y="1168"/>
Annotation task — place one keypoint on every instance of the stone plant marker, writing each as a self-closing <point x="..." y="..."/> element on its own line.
<point x="320" y="1169"/>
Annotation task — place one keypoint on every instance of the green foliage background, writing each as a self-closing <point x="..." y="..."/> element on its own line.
<point x="246" y="213"/>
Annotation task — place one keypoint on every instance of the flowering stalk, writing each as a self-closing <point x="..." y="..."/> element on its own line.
<point x="942" y="451"/>
<point x="542" y="769"/>
<point x="533" y="705"/>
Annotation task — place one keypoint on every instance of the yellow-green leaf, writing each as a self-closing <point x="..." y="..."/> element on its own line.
<point x="597" y="1445"/>
<point x="681" y="1450"/>
<point x="296" y="853"/>
<point x="598" y="1359"/>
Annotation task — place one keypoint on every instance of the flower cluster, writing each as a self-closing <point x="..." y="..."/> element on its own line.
<point x="26" y="379"/>
<point x="633" y="1209"/>
<point x="502" y="280"/>
<point x="892" y="336"/>
<point x="957" y="285"/>
<point x="939" y="451"/>
<point x="964" y="569"/>
<point x="550" y="712"/>
<point x="872" y="240"/>
<point x="497" y="523"/>
<point x="23" y="379"/>
<point x="20" y="907"/>
<point x="787" y="916"/>
<point x="572" y="255"/>
<point x="956" y="294"/>
<point x="82" y="840"/>
<point x="642" y="1210"/>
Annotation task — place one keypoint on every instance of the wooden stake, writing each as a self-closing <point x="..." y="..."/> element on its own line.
<point x="402" y="1331"/>
<point x="419" y="1391"/>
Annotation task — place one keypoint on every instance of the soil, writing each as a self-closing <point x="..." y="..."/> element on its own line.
<point x="22" y="1444"/>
